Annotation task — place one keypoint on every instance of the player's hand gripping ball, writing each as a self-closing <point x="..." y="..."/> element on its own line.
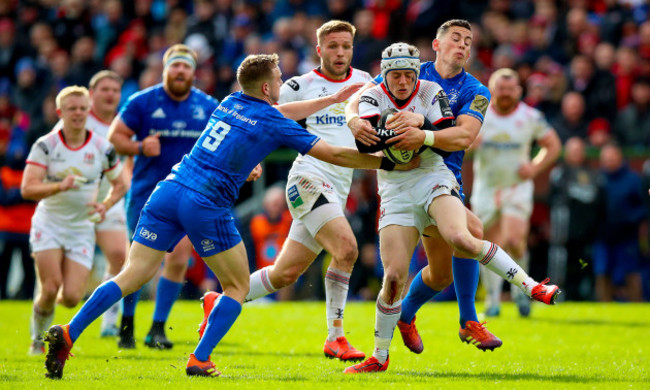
<point x="394" y="155"/>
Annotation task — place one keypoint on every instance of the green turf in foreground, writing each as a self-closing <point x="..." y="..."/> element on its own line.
<point x="272" y="346"/>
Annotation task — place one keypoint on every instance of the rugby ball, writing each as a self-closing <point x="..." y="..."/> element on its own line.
<point x="394" y="155"/>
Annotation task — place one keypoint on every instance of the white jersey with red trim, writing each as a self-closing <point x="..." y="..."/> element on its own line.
<point x="328" y="123"/>
<point x="425" y="100"/>
<point x="96" y="157"/>
<point x="505" y="144"/>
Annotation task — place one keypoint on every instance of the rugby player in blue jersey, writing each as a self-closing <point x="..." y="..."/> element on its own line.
<point x="469" y="100"/>
<point x="196" y="199"/>
<point x="157" y="126"/>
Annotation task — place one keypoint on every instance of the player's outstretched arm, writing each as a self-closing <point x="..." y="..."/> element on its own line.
<point x="302" y="109"/>
<point x="351" y="158"/>
<point x="361" y="130"/>
<point x="550" y="147"/>
<point x="459" y="137"/>
<point x="33" y="188"/>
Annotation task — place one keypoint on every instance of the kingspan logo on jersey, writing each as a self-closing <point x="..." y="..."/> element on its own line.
<point x="328" y="119"/>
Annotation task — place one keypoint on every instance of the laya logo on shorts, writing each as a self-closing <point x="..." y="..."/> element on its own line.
<point x="294" y="196"/>
<point x="207" y="245"/>
<point x="147" y="235"/>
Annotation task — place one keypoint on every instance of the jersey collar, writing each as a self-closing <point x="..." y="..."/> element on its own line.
<point x="318" y="72"/>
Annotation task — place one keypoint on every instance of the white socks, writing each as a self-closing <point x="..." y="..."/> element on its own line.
<point x="40" y="323"/>
<point x="337" y="284"/>
<point x="493" y="284"/>
<point x="498" y="261"/>
<point x="260" y="285"/>
<point x="386" y="318"/>
<point x="524" y="263"/>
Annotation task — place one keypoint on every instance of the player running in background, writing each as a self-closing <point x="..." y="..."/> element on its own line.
<point x="468" y="99"/>
<point x="425" y="198"/>
<point x="502" y="192"/>
<point x="317" y="192"/>
<point x="158" y="126"/>
<point x="105" y="91"/>
<point x="197" y="199"/>
<point x="63" y="174"/>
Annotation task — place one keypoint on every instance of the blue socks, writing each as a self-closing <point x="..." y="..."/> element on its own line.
<point x="129" y="302"/>
<point x="166" y="295"/>
<point x="418" y="294"/>
<point x="466" y="273"/>
<point x="223" y="315"/>
<point x="103" y="297"/>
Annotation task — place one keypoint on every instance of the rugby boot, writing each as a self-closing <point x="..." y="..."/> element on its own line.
<point x="207" y="303"/>
<point x="410" y="336"/>
<point x="370" y="365"/>
<point x="476" y="333"/>
<point x="545" y="293"/>
<point x="196" y="367"/>
<point x="58" y="352"/>
<point x="342" y="350"/>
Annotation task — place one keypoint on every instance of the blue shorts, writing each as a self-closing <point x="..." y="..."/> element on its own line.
<point x="617" y="260"/>
<point x="174" y="210"/>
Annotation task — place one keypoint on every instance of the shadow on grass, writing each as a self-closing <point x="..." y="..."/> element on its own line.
<point x="426" y="376"/>
<point x="591" y="321"/>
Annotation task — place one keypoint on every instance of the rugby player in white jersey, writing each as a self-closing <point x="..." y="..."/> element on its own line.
<point x="424" y="198"/>
<point x="105" y="91"/>
<point x="317" y="191"/>
<point x="63" y="173"/>
<point x="502" y="193"/>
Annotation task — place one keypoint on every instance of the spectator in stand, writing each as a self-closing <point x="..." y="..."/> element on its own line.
<point x="269" y="230"/>
<point x="595" y="86"/>
<point x="626" y="70"/>
<point x="598" y="132"/>
<point x="571" y="121"/>
<point x="10" y="52"/>
<point x="576" y="197"/>
<point x="616" y="253"/>
<point x="82" y="62"/>
<point x="31" y="89"/>
<point x="632" y="126"/>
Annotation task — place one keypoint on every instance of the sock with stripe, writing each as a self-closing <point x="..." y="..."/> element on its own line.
<point x="260" y="285"/>
<point x="419" y="294"/>
<point x="222" y="317"/>
<point x="337" y="283"/>
<point x="386" y="318"/>
<point x="466" y="273"/>
<point x="104" y="297"/>
<point x="498" y="261"/>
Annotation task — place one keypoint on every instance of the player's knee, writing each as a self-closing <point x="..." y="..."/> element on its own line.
<point x="286" y="276"/>
<point x="346" y="253"/>
<point x="115" y="257"/>
<point x="476" y="229"/>
<point x="49" y="290"/>
<point x="70" y="299"/>
<point x="439" y="281"/>
<point x="462" y="241"/>
<point x="176" y="267"/>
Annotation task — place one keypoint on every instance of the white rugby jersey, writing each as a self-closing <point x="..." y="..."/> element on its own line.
<point x="328" y="123"/>
<point x="425" y="101"/>
<point x="92" y="159"/>
<point x="99" y="127"/>
<point x="505" y="145"/>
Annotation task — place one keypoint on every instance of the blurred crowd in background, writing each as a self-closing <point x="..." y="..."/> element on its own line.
<point x="584" y="63"/>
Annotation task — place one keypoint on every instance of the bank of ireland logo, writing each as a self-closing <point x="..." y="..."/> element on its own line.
<point x="207" y="244"/>
<point x="294" y="196"/>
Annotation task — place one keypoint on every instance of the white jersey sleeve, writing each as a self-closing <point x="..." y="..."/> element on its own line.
<point x="369" y="102"/>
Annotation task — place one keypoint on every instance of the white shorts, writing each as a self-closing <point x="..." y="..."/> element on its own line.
<point x="78" y="244"/>
<point x="491" y="203"/>
<point x="409" y="206"/>
<point x="302" y="193"/>
<point x="115" y="218"/>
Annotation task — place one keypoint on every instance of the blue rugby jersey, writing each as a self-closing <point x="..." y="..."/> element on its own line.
<point x="241" y="132"/>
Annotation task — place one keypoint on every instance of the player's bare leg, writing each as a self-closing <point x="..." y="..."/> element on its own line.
<point x="49" y="275"/>
<point x="397" y="244"/>
<point x="169" y="286"/>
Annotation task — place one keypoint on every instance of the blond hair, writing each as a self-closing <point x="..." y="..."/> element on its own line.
<point x="74" y="90"/>
<point x="503" y="73"/>
<point x="255" y="70"/>
<point x="182" y="49"/>
<point x="334" y="26"/>
<point x="104" y="74"/>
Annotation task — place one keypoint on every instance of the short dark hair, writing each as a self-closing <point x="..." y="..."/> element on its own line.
<point x="442" y="30"/>
<point x="256" y="68"/>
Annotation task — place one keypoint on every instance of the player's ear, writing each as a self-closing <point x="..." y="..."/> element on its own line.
<point x="318" y="50"/>
<point x="435" y="44"/>
<point x="58" y="112"/>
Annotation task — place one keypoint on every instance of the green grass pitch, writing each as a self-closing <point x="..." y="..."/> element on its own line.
<point x="275" y="346"/>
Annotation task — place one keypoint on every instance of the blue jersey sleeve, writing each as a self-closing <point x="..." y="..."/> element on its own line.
<point x="475" y="100"/>
<point x="130" y="113"/>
